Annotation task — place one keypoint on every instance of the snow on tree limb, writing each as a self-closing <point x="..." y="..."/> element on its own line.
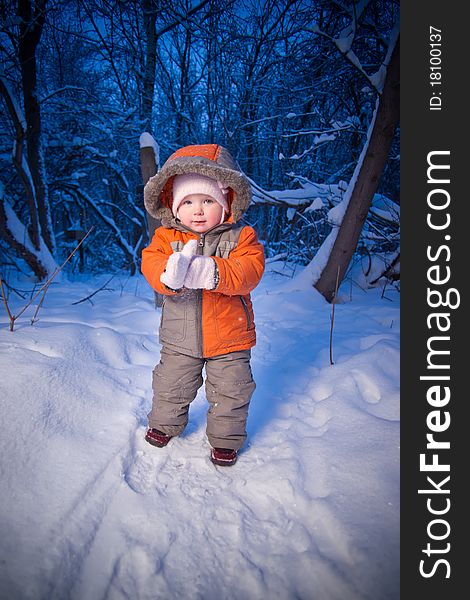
<point x="364" y="185"/>
<point x="17" y="233"/>
<point x="345" y="40"/>
<point x="309" y="196"/>
<point x="387" y="106"/>
<point x="355" y="12"/>
<point x="312" y="272"/>
<point x="14" y="109"/>
<point x="288" y="198"/>
<point x="20" y="161"/>
<point x="146" y="140"/>
<point x="65" y="88"/>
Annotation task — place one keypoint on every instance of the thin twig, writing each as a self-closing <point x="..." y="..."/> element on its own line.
<point x="10" y="316"/>
<point x="383" y="290"/>
<point x="14" y="290"/>
<point x="103" y="287"/>
<point x="57" y="270"/>
<point x="33" y="320"/>
<point x="332" y="319"/>
<point x="43" y="289"/>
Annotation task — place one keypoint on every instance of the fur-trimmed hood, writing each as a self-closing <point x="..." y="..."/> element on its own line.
<point x="211" y="160"/>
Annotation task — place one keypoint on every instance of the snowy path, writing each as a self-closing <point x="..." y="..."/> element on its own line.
<point x="91" y="511"/>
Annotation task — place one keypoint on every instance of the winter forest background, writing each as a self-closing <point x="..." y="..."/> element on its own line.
<point x="291" y="87"/>
<point x="94" y="96"/>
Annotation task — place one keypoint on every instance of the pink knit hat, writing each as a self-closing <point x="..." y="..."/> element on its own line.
<point x="192" y="183"/>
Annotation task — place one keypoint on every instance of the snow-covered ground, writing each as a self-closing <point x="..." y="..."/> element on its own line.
<point x="90" y="511"/>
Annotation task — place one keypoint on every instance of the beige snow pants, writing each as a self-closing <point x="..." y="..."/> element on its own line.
<point x="229" y="387"/>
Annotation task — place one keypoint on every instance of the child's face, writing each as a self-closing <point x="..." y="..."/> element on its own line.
<point x="200" y="212"/>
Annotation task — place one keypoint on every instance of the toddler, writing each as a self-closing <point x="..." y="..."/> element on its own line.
<point x="205" y="262"/>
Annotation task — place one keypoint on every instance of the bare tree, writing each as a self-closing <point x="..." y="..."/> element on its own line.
<point x="375" y="157"/>
<point x="35" y="243"/>
<point x="31" y="26"/>
<point x="150" y="18"/>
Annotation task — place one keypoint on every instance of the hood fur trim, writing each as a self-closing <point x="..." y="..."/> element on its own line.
<point x="158" y="192"/>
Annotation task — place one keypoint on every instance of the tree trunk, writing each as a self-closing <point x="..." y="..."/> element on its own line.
<point x="31" y="26"/>
<point x="148" y="168"/>
<point x="19" y="162"/>
<point x="387" y="117"/>
<point x="150" y="18"/>
<point x="23" y="247"/>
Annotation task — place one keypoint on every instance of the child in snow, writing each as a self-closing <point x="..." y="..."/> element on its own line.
<point x="206" y="263"/>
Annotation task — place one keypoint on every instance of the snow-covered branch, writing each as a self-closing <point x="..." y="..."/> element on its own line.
<point x="132" y="253"/>
<point x="13" y="107"/>
<point x="65" y="88"/>
<point x="344" y="42"/>
<point x="13" y="230"/>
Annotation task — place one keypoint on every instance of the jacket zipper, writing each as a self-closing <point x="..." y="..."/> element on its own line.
<point x="200" y="250"/>
<point x="247" y="312"/>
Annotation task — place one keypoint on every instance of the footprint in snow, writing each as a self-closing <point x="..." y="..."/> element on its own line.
<point x="45" y="349"/>
<point x="138" y="574"/>
<point x="320" y="391"/>
<point x="141" y="475"/>
<point x="369" y="391"/>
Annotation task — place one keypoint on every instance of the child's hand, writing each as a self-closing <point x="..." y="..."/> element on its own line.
<point x="177" y="266"/>
<point x="201" y="273"/>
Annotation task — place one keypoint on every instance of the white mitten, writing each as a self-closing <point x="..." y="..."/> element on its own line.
<point x="201" y="273"/>
<point x="177" y="266"/>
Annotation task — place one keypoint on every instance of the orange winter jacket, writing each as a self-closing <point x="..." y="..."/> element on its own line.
<point x="205" y="323"/>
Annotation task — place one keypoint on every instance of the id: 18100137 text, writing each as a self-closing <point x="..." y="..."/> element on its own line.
<point x="435" y="68"/>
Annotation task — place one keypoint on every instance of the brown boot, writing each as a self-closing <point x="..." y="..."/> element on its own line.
<point x="157" y="438"/>
<point x="224" y="457"/>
